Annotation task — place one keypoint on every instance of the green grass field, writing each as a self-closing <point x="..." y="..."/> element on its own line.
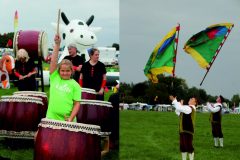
<point x="154" y="136"/>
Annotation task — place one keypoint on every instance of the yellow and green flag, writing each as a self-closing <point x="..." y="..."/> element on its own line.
<point x="163" y="57"/>
<point x="205" y="45"/>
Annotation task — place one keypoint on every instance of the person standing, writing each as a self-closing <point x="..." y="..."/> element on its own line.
<point x="216" y="120"/>
<point x="187" y="114"/>
<point x="25" y="70"/>
<point x="114" y="136"/>
<point x="76" y="60"/>
<point x="93" y="74"/>
<point x="65" y="93"/>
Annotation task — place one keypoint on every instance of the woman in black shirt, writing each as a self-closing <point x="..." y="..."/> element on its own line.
<point x="25" y="71"/>
<point x="93" y="74"/>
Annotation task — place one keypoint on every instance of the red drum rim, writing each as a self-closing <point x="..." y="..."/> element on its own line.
<point x="25" y="99"/>
<point x="70" y="126"/>
<point x="96" y="102"/>
<point x="89" y="90"/>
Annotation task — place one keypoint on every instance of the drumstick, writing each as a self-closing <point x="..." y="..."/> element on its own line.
<point x="24" y="77"/>
<point x="58" y="21"/>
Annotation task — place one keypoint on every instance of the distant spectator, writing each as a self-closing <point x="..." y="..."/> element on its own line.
<point x="25" y="70"/>
<point x="76" y="60"/>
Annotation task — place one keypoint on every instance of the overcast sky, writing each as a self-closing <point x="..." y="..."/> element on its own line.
<point x="38" y="15"/>
<point x="144" y="23"/>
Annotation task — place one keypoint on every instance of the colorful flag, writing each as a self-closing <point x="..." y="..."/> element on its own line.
<point x="163" y="57"/>
<point x="205" y="45"/>
<point x="15" y="21"/>
<point x="9" y="43"/>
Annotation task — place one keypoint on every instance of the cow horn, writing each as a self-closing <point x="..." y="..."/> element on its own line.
<point x="64" y="18"/>
<point x="90" y="20"/>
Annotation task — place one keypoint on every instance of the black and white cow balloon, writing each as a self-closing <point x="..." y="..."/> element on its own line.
<point x="78" y="32"/>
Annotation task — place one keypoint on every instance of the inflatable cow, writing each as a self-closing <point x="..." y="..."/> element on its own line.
<point x="78" y="32"/>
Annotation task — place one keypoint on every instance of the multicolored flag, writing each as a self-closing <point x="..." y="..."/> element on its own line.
<point x="16" y="21"/>
<point x="163" y="57"/>
<point x="205" y="45"/>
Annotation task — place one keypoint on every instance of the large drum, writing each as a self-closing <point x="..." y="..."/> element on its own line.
<point x="88" y="93"/>
<point x="34" y="42"/>
<point x="20" y="116"/>
<point x="38" y="94"/>
<point x="60" y="140"/>
<point x="96" y="112"/>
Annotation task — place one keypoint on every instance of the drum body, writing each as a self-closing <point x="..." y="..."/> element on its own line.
<point x="19" y="116"/>
<point x="38" y="94"/>
<point x="95" y="112"/>
<point x="62" y="140"/>
<point x="34" y="42"/>
<point x="88" y="93"/>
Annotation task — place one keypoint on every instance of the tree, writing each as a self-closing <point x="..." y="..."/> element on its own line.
<point x="139" y="89"/>
<point x="4" y="39"/>
<point x="235" y="99"/>
<point x="147" y="92"/>
<point x="125" y="93"/>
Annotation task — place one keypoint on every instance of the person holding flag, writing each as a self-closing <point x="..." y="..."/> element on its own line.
<point x="216" y="120"/>
<point x="187" y="115"/>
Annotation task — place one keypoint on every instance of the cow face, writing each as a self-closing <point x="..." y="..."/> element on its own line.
<point x="79" y="33"/>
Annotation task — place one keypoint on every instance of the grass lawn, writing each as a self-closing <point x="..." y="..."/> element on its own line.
<point x="154" y="136"/>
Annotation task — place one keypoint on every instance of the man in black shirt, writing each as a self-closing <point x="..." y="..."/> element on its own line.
<point x="93" y="74"/>
<point x="76" y="60"/>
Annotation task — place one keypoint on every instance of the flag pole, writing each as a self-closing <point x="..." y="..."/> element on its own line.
<point x="175" y="57"/>
<point x="175" y="51"/>
<point x="216" y="54"/>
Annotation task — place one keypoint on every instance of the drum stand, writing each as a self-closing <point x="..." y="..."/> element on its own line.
<point x="40" y="75"/>
<point x="105" y="141"/>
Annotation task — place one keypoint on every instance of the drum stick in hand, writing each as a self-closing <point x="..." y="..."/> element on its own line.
<point x="58" y="21"/>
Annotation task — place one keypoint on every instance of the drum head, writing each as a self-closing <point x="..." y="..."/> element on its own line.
<point x="44" y="45"/>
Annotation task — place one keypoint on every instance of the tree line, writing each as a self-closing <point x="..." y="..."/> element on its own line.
<point x="158" y="93"/>
<point x="6" y="40"/>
